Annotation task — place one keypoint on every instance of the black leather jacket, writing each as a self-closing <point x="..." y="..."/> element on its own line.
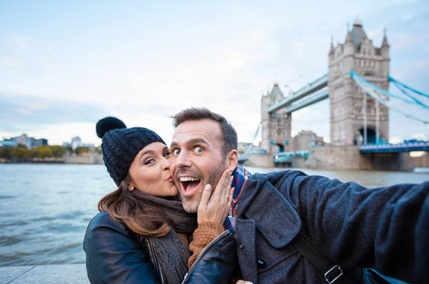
<point x="114" y="255"/>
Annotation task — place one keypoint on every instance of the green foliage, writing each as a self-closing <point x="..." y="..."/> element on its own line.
<point x="98" y="149"/>
<point x="81" y="150"/>
<point x="5" y="153"/>
<point x="45" y="152"/>
<point x="58" y="151"/>
<point x="19" y="152"/>
<point x="32" y="153"/>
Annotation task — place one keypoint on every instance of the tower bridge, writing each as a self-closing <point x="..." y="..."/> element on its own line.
<point x="357" y="88"/>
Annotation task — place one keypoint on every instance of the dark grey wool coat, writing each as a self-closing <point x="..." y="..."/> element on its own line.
<point x="385" y="228"/>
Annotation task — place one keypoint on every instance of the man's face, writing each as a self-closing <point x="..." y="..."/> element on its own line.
<point x="196" y="159"/>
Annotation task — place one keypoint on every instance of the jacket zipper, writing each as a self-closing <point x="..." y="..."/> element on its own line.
<point x="155" y="260"/>
<point x="204" y="251"/>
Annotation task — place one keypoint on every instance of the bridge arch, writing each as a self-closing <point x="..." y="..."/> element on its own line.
<point x="277" y="148"/>
<point x="371" y="136"/>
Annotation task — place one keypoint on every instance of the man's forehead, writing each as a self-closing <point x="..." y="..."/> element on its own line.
<point x="206" y="129"/>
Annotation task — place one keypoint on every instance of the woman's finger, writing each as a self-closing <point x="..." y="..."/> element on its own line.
<point x="205" y="196"/>
<point x="231" y="196"/>
<point x="219" y="191"/>
<point x="226" y="186"/>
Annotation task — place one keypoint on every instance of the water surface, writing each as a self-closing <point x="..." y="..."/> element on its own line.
<point x="44" y="209"/>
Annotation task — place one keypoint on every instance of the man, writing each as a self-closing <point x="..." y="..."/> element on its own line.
<point x="274" y="214"/>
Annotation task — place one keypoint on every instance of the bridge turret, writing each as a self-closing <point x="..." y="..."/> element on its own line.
<point x="347" y="101"/>
<point x="349" y="51"/>
<point x="276" y="127"/>
<point x="331" y="50"/>
<point x="384" y="51"/>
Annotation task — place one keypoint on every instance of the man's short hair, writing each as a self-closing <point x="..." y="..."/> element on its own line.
<point x="229" y="134"/>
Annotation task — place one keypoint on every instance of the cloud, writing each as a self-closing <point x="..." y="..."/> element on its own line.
<point x="10" y="63"/>
<point x="142" y="70"/>
<point x="27" y="113"/>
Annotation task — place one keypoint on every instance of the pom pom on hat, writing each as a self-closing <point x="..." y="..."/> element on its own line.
<point x="108" y="123"/>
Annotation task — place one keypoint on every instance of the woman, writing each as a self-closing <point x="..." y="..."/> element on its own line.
<point x="142" y="233"/>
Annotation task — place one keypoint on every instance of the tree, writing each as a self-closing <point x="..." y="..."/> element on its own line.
<point x="5" y="152"/>
<point x="80" y="150"/>
<point x="58" y="151"/>
<point x="19" y="152"/>
<point x="98" y="149"/>
<point x="32" y="153"/>
<point x="45" y="152"/>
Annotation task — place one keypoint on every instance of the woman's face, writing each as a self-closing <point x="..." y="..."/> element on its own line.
<point x="150" y="171"/>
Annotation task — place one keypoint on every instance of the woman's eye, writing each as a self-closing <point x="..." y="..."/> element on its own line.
<point x="175" y="152"/>
<point x="149" y="161"/>
<point x="198" y="150"/>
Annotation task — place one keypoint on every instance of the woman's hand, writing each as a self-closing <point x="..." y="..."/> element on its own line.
<point x="215" y="208"/>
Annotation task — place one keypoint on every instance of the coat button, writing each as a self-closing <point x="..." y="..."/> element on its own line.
<point x="241" y="246"/>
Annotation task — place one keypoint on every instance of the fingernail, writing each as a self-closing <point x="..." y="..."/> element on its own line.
<point x="208" y="187"/>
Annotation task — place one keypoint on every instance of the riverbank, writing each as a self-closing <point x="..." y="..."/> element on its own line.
<point x="46" y="274"/>
<point x="88" y="158"/>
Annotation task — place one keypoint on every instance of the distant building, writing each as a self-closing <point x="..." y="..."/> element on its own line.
<point x="77" y="142"/>
<point x="29" y="142"/>
<point x="306" y="140"/>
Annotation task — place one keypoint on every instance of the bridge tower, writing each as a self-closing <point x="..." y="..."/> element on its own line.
<point x="350" y="123"/>
<point x="276" y="127"/>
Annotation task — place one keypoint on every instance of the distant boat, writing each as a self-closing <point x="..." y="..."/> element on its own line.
<point x="421" y="170"/>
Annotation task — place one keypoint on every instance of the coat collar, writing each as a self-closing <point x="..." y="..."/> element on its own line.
<point x="274" y="216"/>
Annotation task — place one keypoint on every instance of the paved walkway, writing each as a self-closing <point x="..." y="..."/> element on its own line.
<point x="46" y="274"/>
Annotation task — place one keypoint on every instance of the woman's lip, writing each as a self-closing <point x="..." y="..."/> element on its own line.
<point x="170" y="179"/>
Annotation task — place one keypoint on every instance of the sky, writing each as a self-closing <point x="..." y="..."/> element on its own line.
<point x="66" y="64"/>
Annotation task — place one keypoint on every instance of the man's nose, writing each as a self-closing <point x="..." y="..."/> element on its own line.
<point x="182" y="160"/>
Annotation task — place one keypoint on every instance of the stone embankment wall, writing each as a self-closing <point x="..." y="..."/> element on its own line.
<point x="85" y="158"/>
<point x="346" y="158"/>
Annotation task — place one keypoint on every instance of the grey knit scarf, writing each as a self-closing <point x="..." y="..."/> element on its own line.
<point x="184" y="222"/>
<point x="170" y="254"/>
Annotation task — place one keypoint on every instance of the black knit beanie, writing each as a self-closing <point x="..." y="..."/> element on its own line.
<point x="120" y="145"/>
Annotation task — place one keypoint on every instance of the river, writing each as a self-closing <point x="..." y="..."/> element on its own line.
<point x="45" y="208"/>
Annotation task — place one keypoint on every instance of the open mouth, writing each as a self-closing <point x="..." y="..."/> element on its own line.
<point x="189" y="185"/>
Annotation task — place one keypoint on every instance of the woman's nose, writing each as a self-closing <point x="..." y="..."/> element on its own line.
<point x="166" y="164"/>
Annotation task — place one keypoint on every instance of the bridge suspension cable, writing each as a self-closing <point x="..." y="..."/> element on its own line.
<point x="416" y="107"/>
<point x="249" y="147"/>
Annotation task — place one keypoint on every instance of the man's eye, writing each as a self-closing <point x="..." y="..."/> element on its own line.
<point x="175" y="152"/>
<point x="198" y="150"/>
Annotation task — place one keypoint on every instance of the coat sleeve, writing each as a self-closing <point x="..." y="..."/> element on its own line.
<point x="202" y="236"/>
<point x="384" y="228"/>
<point x="216" y="263"/>
<point x="112" y="256"/>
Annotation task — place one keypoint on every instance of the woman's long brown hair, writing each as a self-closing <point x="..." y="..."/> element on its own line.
<point x="131" y="208"/>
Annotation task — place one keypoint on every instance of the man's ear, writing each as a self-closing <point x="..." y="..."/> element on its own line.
<point x="232" y="160"/>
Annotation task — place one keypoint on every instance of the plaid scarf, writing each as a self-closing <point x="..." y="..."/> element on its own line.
<point x="241" y="175"/>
